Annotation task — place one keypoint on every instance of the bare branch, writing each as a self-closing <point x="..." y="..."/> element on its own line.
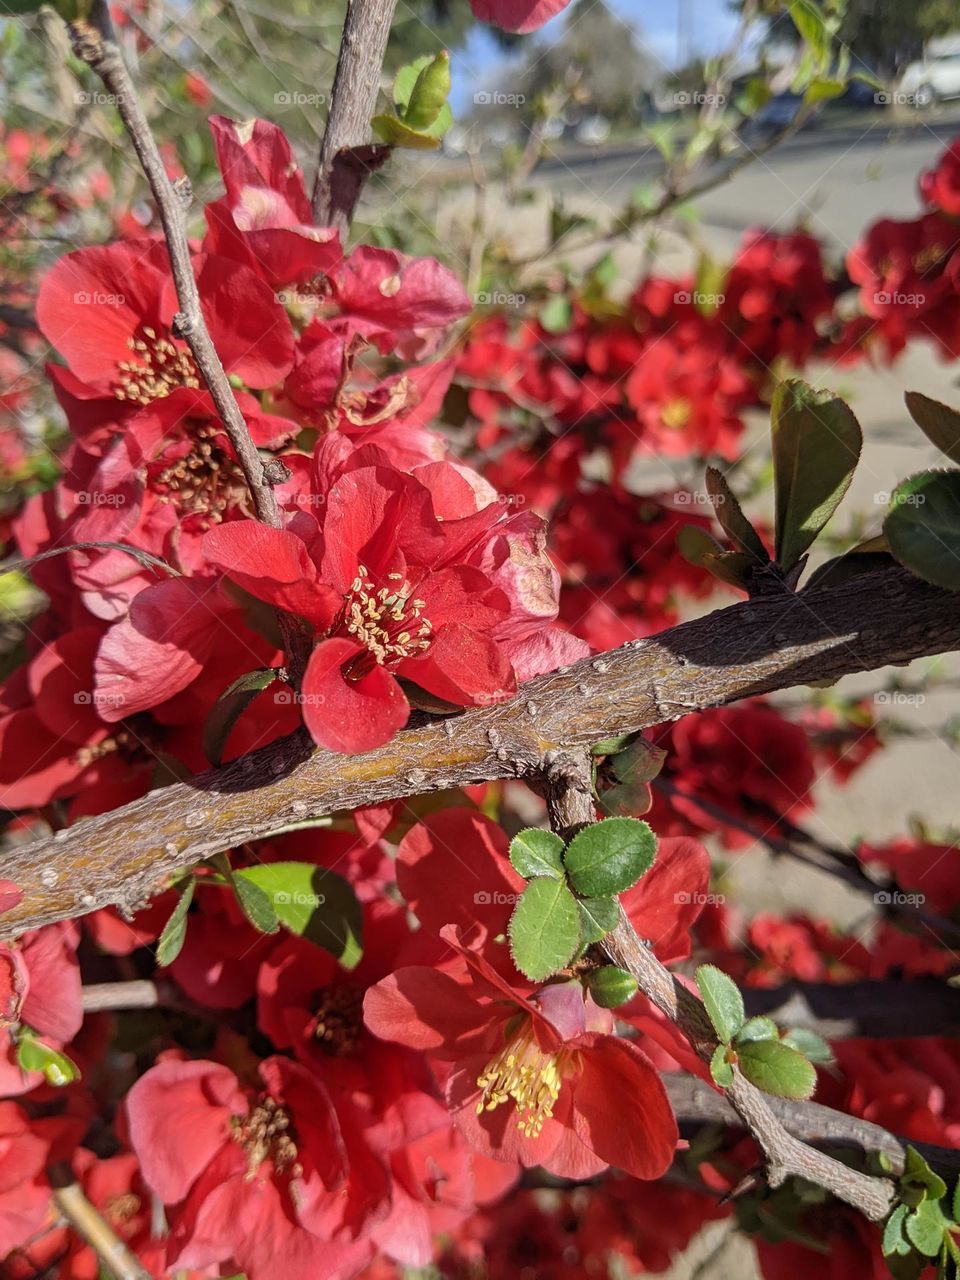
<point x="750" y="648"/>
<point x="99" y="1235"/>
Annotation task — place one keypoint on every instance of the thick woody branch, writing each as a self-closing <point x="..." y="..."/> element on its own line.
<point x="750" y="648"/>
<point x="346" y="159"/>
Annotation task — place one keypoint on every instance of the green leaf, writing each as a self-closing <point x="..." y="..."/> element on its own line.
<point x="537" y="853"/>
<point x="852" y="564"/>
<point x="229" y="707"/>
<point x="813" y="1046"/>
<point x="956" y="1202"/>
<point x="174" y="932"/>
<point x="34" y="1055"/>
<point x="730" y="516"/>
<point x="315" y="904"/>
<point x="611" y="987"/>
<point x="823" y="89"/>
<point x="392" y="130"/>
<point x="922" y="526"/>
<point x="894" y="1241"/>
<point x="556" y="316"/>
<point x="939" y="423"/>
<point x="544" y="929"/>
<point x="776" y="1068"/>
<point x="609" y="856"/>
<point x="597" y="917"/>
<point x="758" y="1028"/>
<point x="255" y="904"/>
<point x="918" y="1173"/>
<point x="700" y="548"/>
<point x="816" y="447"/>
<point x="925" y="1227"/>
<point x="723" y="1001"/>
<point x="720" y="1068"/>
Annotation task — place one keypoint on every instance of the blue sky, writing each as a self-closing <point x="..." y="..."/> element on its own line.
<point x="707" y="26"/>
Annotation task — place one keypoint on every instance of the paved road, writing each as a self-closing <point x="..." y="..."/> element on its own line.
<point x="834" y="179"/>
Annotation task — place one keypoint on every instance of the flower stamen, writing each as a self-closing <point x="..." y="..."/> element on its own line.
<point x="524" y="1074"/>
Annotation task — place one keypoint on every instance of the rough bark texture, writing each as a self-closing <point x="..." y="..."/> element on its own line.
<point x="345" y="158"/>
<point x="749" y="648"/>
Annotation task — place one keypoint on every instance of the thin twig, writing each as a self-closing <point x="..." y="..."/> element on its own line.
<point x="99" y="1235"/>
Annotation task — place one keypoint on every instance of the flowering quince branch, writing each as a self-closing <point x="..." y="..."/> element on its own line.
<point x="94" y="41"/>
<point x="571" y="807"/>
<point x="745" y="649"/>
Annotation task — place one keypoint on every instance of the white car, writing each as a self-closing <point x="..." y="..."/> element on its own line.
<point x="936" y="77"/>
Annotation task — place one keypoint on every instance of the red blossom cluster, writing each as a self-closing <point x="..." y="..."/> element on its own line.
<point x="294" y="1109"/>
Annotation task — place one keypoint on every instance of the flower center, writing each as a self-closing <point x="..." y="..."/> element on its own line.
<point x="524" y="1074"/>
<point x="264" y="1133"/>
<point x="386" y="621"/>
<point x="157" y="368"/>
<point x="675" y="414"/>
<point x="122" y="1208"/>
<point x="338" y="1022"/>
<point x="206" y="481"/>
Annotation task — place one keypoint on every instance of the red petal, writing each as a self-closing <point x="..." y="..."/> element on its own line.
<point x="11" y="895"/>
<point x="665" y="903"/>
<point x="639" y="1139"/>
<point x="427" y="1010"/>
<point x="273" y="565"/>
<point x="463" y="666"/>
<point x="520" y="16"/>
<point x="350" y="715"/>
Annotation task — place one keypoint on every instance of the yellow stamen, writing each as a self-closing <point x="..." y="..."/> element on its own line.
<point x="524" y="1074"/>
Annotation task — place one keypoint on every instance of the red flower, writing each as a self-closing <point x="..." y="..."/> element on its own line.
<point x="921" y="866"/>
<point x="411" y="580"/>
<point x="40" y="989"/>
<point x="108" y="310"/>
<point x="534" y="1078"/>
<point x="940" y="186"/>
<point x="262" y="1180"/>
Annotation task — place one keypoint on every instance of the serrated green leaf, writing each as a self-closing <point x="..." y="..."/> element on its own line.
<point x="609" y="856"/>
<point x="924" y="1228"/>
<point x="171" y="940"/>
<point x="597" y="917"/>
<point x="939" y="423"/>
<point x="922" y="526"/>
<point x="544" y="929"/>
<point x="758" y="1028"/>
<point x="720" y="1068"/>
<point x="777" y="1069"/>
<point x="730" y="517"/>
<point x="813" y="1046"/>
<point x="894" y="1241"/>
<point x="255" y="903"/>
<point x="816" y="447"/>
<point x="722" y="1000"/>
<point x="229" y="707"/>
<point x="534" y="852"/>
<point x="611" y="987"/>
<point x="315" y="904"/>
